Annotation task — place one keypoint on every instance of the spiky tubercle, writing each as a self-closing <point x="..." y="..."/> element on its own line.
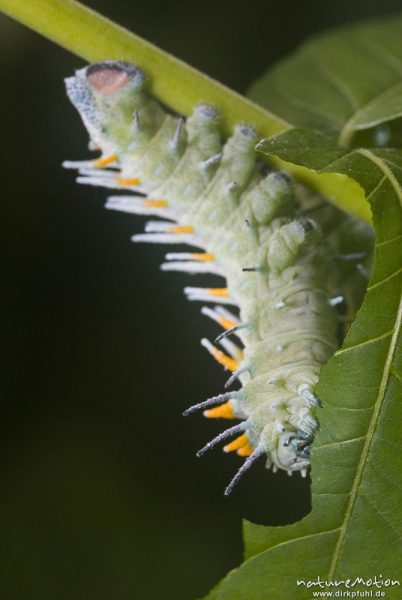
<point x="218" y="198"/>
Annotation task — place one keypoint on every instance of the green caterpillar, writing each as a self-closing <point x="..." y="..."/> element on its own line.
<point x="252" y="227"/>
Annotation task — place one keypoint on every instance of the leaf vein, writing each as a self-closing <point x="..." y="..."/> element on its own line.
<point x="394" y="164"/>
<point x="331" y="494"/>
<point x="375" y="285"/>
<point x="365" y="453"/>
<point x="385" y="242"/>
<point x="290" y="541"/>
<point x="383" y="517"/>
<point x="365" y="343"/>
<point x="377" y="187"/>
<point x="333" y="80"/>
<point x="297" y="102"/>
<point x="385" y="169"/>
<point x="349" y="127"/>
<point x="396" y="375"/>
<point x="329" y="445"/>
<point x="331" y="164"/>
<point x="382" y="55"/>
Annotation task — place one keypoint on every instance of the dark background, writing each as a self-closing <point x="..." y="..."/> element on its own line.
<point x="100" y="495"/>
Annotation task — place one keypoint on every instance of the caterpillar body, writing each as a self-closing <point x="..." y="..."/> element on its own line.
<point x="244" y="224"/>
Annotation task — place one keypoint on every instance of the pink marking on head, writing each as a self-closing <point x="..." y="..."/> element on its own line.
<point x="110" y="77"/>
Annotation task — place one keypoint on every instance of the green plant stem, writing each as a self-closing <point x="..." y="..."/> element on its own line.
<point x="93" y="37"/>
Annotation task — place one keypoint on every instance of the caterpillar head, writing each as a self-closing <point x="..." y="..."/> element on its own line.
<point x="107" y="94"/>
<point x="292" y="452"/>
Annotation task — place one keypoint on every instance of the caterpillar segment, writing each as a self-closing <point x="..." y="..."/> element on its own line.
<point x="216" y="197"/>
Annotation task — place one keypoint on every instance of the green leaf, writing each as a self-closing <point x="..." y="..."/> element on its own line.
<point x="355" y="527"/>
<point x="346" y="84"/>
<point x="325" y="167"/>
<point x="341" y="82"/>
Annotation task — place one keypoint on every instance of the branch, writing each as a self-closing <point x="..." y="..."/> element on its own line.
<point x="91" y="36"/>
